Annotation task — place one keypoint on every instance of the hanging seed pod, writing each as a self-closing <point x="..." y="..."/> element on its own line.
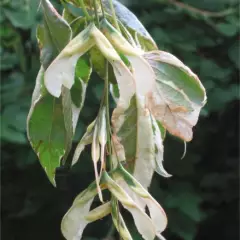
<point x="102" y="136"/>
<point x="95" y="157"/>
<point x="86" y="139"/>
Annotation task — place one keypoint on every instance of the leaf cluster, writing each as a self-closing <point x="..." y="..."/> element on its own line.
<point x="209" y="46"/>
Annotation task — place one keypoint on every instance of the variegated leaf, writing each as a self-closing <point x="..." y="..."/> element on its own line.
<point x="158" y="142"/>
<point x="74" y="221"/>
<point x="143" y="223"/>
<point x="142" y="197"/>
<point x="49" y="124"/>
<point x="131" y="22"/>
<point x="79" y="215"/>
<point x="178" y="96"/>
<point x="99" y="212"/>
<point x="132" y="122"/>
<point x="133" y="128"/>
<point x="118" y="221"/>
<point x="61" y="72"/>
<point x="86" y="139"/>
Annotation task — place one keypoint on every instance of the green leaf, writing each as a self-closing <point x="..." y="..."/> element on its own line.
<point x="58" y="29"/>
<point x="7" y="61"/>
<point x="47" y="134"/>
<point x="54" y="35"/>
<point x="227" y="29"/>
<point x="23" y="17"/>
<point x="233" y="54"/>
<point x="50" y="127"/>
<point x="188" y="203"/>
<point x="162" y="130"/>
<point x="77" y="23"/>
<point x="99" y="63"/>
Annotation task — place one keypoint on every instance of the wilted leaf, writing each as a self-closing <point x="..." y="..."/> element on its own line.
<point x="134" y="130"/>
<point x="132" y="122"/>
<point x="141" y="219"/>
<point x="83" y="72"/>
<point x="99" y="212"/>
<point x="86" y="139"/>
<point x="158" y="142"/>
<point x="178" y="96"/>
<point x="74" y="222"/>
<point x="118" y="221"/>
<point x="142" y="198"/>
<point x="61" y="72"/>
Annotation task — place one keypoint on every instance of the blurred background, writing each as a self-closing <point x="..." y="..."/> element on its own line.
<point x="201" y="199"/>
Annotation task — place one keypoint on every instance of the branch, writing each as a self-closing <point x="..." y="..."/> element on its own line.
<point x="204" y="13"/>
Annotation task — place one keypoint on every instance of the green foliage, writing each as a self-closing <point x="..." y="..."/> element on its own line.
<point x="50" y="142"/>
<point x="195" y="211"/>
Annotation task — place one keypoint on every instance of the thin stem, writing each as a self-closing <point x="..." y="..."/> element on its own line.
<point x="84" y="9"/>
<point x="204" y="13"/>
<point x="108" y="115"/>
<point x="114" y="15"/>
<point x="103" y="13"/>
<point x="96" y="13"/>
<point x="111" y="231"/>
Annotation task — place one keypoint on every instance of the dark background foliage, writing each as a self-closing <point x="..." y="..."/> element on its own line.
<point x="201" y="199"/>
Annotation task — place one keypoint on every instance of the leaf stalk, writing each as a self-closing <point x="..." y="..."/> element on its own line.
<point x="82" y="5"/>
<point x="114" y="15"/>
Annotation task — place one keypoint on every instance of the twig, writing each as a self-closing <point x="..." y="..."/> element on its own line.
<point x="204" y="13"/>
